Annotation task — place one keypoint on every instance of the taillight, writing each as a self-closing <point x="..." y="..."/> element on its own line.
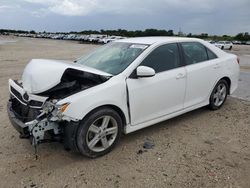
<point x="238" y="60"/>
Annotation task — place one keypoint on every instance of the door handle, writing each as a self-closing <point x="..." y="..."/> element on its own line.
<point x="216" y="66"/>
<point x="180" y="75"/>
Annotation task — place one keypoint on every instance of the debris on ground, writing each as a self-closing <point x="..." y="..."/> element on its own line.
<point x="140" y="151"/>
<point x="148" y="144"/>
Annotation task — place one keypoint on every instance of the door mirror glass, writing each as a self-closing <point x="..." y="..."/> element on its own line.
<point x="144" y="71"/>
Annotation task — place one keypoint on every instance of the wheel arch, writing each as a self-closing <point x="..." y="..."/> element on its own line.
<point x="113" y="107"/>
<point x="71" y="131"/>
<point x="227" y="79"/>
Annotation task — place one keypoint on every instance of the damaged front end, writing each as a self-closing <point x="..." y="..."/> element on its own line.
<point x="33" y="116"/>
<point x="37" y="116"/>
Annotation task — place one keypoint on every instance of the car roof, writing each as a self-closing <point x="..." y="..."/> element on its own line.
<point x="152" y="40"/>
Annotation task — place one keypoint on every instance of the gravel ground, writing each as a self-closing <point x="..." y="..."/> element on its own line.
<point x="243" y="90"/>
<point x="199" y="149"/>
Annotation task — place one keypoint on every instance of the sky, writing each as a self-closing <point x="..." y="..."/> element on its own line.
<point x="215" y="17"/>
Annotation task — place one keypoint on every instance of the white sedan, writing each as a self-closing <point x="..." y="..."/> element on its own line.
<point x="224" y="45"/>
<point x="121" y="87"/>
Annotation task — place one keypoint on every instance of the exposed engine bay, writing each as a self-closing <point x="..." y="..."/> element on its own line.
<point x="72" y="82"/>
<point x="37" y="116"/>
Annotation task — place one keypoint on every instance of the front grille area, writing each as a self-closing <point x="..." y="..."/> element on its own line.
<point x="23" y="112"/>
<point x="31" y="103"/>
<point x="17" y="94"/>
<point x="35" y="103"/>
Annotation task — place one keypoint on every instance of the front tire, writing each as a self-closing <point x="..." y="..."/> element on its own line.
<point x="218" y="95"/>
<point x="99" y="132"/>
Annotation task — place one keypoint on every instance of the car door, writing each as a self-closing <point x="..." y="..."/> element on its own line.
<point x="203" y="70"/>
<point x="154" y="97"/>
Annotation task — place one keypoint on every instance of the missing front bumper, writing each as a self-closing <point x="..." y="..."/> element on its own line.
<point x="17" y="123"/>
<point x="39" y="130"/>
<point x="43" y="130"/>
<point x="38" y="123"/>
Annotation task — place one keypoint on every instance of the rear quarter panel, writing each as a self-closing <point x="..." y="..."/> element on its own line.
<point x="231" y="70"/>
<point x="229" y="65"/>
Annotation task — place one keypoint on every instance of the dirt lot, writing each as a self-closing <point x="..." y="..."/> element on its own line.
<point x="199" y="149"/>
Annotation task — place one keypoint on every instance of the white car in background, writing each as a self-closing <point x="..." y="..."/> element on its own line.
<point x="224" y="45"/>
<point x="95" y="37"/>
<point x="111" y="39"/>
<point x="121" y="87"/>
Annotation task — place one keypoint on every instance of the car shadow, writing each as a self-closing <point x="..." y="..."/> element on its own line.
<point x="54" y="155"/>
<point x="165" y="125"/>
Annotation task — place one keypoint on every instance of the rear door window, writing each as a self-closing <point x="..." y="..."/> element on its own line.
<point x="194" y="52"/>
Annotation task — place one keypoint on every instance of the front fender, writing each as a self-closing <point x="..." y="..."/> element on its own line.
<point x="112" y="92"/>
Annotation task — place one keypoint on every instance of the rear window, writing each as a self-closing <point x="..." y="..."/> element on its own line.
<point x="195" y="52"/>
<point x="211" y="55"/>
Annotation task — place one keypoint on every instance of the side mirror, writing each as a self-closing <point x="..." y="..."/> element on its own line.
<point x="143" y="71"/>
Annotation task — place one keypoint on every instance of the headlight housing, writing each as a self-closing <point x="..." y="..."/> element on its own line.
<point x="55" y="110"/>
<point x="57" y="113"/>
<point x="62" y="108"/>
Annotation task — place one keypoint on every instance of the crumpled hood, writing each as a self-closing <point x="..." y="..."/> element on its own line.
<point x="42" y="74"/>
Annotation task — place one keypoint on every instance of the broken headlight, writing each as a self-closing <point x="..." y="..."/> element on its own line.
<point x="57" y="113"/>
<point x="48" y="107"/>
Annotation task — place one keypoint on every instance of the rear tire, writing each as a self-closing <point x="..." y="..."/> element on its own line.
<point x="218" y="95"/>
<point x="230" y="48"/>
<point x="99" y="132"/>
<point x="222" y="47"/>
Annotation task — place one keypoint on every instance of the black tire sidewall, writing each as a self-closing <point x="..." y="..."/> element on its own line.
<point x="84" y="126"/>
<point x="212" y="106"/>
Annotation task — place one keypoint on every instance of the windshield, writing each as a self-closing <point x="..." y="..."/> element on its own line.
<point x="113" y="58"/>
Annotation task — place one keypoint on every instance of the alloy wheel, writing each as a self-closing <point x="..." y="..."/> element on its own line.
<point x="220" y="94"/>
<point x="102" y="133"/>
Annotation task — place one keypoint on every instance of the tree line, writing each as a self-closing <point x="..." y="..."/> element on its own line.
<point x="141" y="33"/>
